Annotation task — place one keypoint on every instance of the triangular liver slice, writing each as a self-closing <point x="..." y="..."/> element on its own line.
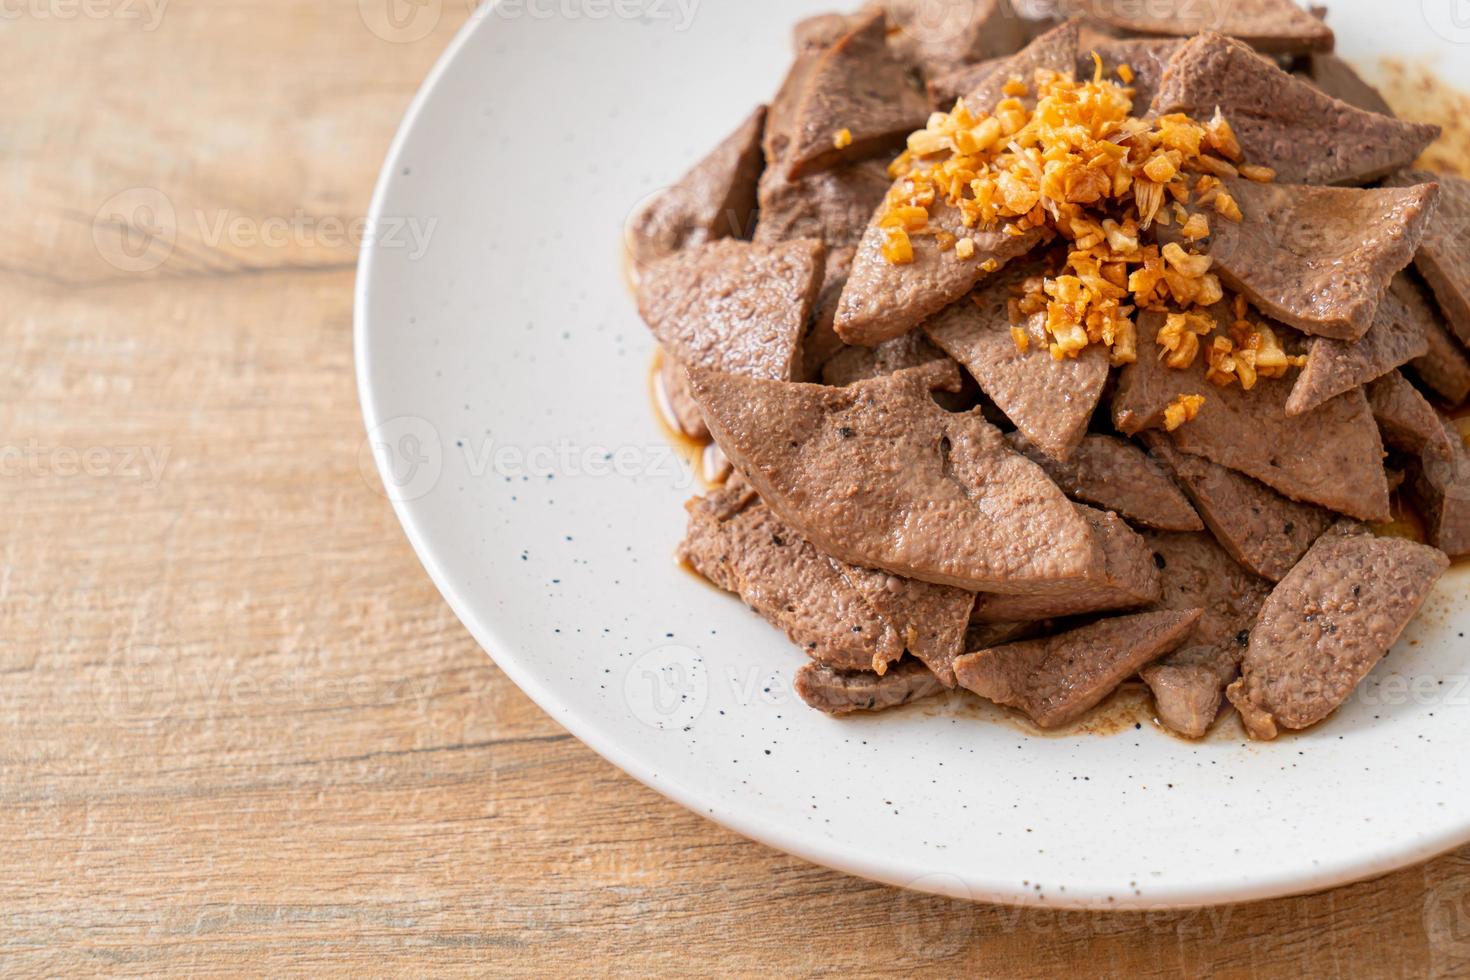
<point x="883" y="300"/>
<point x="1051" y="401"/>
<point x="1328" y="623"/>
<point x="1283" y="122"/>
<point x="1330" y="456"/>
<point x="714" y="200"/>
<point x="1262" y="530"/>
<point x="878" y="475"/>
<point x="1335" y="366"/>
<point x="1058" y="679"/>
<point x="1125" y="577"/>
<point x="734" y="305"/>
<point x="1317" y="258"/>
<point x="940" y="37"/>
<point x="1444" y="255"/>
<point x="857" y="85"/>
<point x="930" y="619"/>
<point x="1274" y="26"/>
<point x="1408" y="422"/>
<point x="1441" y="488"/>
<point x="1116" y="475"/>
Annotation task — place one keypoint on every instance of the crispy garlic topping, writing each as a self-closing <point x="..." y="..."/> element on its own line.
<point x="1082" y="165"/>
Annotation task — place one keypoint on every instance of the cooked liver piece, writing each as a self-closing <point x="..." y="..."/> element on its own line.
<point x="1283" y="122"/>
<point x="858" y="85"/>
<point x="1275" y="26"/>
<point x="819" y="32"/>
<point x="1408" y="422"/>
<point x="1441" y="488"/>
<point x="878" y="475"/>
<point x="1124" y="577"/>
<point x="1328" y="624"/>
<point x="1335" y="366"/>
<point x="738" y="544"/>
<point x="948" y="88"/>
<point x="717" y="199"/>
<point x="1445" y="370"/>
<point x="1051" y="401"/>
<point x="862" y="363"/>
<point x="1147" y="57"/>
<point x="963" y="31"/>
<point x="734" y="305"/>
<point x="678" y="401"/>
<point x="1189" y="684"/>
<point x="883" y="300"/>
<point x="1317" y="258"/>
<point x="1341" y="81"/>
<point x="841" y="692"/>
<point x="1444" y="256"/>
<point x="1262" y="530"/>
<point x="1058" y="679"/>
<point x="1116" y="475"/>
<point x="833" y="205"/>
<point x="1330" y="456"/>
<point x="931" y="620"/>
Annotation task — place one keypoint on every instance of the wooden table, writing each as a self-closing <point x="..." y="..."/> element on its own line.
<point x="241" y="729"/>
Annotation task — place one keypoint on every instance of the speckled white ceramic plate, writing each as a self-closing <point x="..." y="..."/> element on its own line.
<point x="503" y="379"/>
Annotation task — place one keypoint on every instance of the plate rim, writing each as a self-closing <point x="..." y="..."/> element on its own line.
<point x="949" y="882"/>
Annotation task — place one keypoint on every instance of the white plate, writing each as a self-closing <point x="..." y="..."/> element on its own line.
<point x="503" y="376"/>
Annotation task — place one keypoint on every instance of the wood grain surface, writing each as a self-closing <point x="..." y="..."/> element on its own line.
<point x="242" y="732"/>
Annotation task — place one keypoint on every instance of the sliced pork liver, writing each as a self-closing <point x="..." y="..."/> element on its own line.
<point x="1275" y="26"/>
<point x="1330" y="456"/>
<point x="1327" y="624"/>
<point x="734" y="305"/>
<point x="842" y="692"/>
<point x="1051" y="401"/>
<point x="1336" y="366"/>
<point x="948" y="88"/>
<point x="1123" y="577"/>
<point x="1317" y="258"/>
<point x="1408" y="422"/>
<point x="1444" y="256"/>
<point x="1059" y="679"/>
<point x="1116" y="475"/>
<point x="1189" y="684"/>
<point x="878" y="475"/>
<point x="1441" y="488"/>
<point x="862" y="363"/>
<point x="931" y="620"/>
<point x="833" y="205"/>
<point x="677" y="402"/>
<point x="942" y="36"/>
<point x="1262" y="530"/>
<point x="1445" y="370"/>
<point x="1283" y="122"/>
<point x="856" y="85"/>
<point x="717" y="199"/>
<point x="883" y="300"/>
<point x="738" y="544"/>
<point x="1341" y="81"/>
